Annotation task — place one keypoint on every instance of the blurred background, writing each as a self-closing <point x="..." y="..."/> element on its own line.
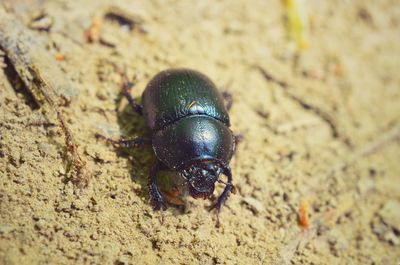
<point x="316" y="90"/>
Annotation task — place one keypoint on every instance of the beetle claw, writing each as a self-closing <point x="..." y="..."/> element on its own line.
<point x="217" y="208"/>
<point x="223" y="197"/>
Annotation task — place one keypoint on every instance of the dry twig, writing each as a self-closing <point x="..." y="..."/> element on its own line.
<point x="36" y="68"/>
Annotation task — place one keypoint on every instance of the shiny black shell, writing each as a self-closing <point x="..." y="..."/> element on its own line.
<point x="176" y="93"/>
<point x="188" y="118"/>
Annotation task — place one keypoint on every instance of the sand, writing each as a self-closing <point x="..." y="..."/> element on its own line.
<point x="320" y="127"/>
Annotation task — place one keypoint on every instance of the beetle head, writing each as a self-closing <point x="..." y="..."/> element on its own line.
<point x="201" y="177"/>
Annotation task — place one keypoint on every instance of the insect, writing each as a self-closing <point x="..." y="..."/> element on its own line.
<point x="190" y="132"/>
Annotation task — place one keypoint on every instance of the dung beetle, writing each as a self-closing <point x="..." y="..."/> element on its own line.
<point x="190" y="132"/>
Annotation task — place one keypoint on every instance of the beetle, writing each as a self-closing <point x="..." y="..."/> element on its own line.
<point x="190" y="132"/>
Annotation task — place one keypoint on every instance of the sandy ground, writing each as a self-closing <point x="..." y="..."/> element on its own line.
<point x="323" y="133"/>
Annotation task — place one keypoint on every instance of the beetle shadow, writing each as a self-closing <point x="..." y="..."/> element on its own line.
<point x="140" y="158"/>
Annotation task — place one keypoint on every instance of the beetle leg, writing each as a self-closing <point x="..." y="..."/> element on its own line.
<point x="237" y="138"/>
<point x="228" y="189"/>
<point x="126" y="89"/>
<point x="156" y="198"/>
<point x="228" y="99"/>
<point x="125" y="143"/>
